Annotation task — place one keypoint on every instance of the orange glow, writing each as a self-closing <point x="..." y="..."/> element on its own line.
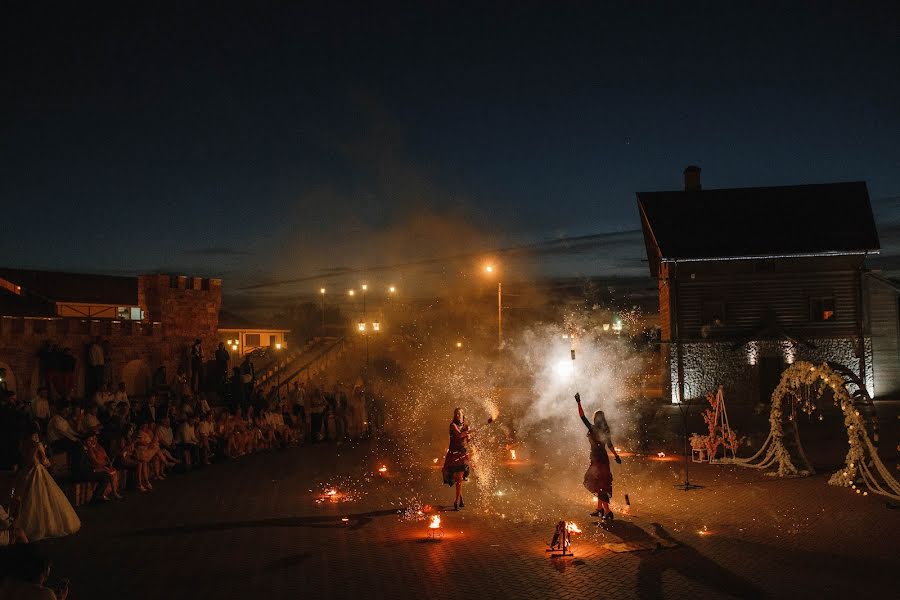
<point x="435" y="522"/>
<point x="512" y="454"/>
<point x="351" y="292"/>
<point x="572" y="527"/>
<point x="321" y="290"/>
<point x="661" y="454"/>
<point x="489" y="268"/>
<point x="383" y="469"/>
<point x="435" y="461"/>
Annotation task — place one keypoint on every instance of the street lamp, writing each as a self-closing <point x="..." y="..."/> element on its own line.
<point x="489" y="269"/>
<point x="322" y="292"/>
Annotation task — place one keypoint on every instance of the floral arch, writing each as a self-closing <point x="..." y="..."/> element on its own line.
<point x="862" y="467"/>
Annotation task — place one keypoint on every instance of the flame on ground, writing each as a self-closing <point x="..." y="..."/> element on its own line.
<point x="572" y="527"/>
<point x="383" y="469"/>
<point x="512" y="454"/>
<point x="435" y="522"/>
<point x="661" y="454"/>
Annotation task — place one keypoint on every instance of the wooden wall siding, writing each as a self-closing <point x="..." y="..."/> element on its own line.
<point x="747" y="298"/>
<point x="665" y="323"/>
<point x="884" y="324"/>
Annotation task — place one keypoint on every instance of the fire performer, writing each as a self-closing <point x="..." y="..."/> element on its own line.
<point x="598" y="477"/>
<point x="456" y="463"/>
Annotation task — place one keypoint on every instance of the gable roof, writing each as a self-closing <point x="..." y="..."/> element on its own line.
<point x="796" y="220"/>
<point x="75" y="287"/>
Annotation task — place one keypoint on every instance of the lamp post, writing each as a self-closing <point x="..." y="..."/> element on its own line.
<point x="363" y="329"/>
<point x="489" y="269"/>
<point x="322" y="292"/>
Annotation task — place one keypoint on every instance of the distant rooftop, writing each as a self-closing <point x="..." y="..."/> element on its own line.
<point x="74" y="287"/>
<point x="797" y="220"/>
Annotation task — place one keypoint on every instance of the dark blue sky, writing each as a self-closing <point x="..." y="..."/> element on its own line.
<point x="257" y="142"/>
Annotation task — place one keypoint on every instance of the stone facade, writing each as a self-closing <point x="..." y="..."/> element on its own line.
<point x="177" y="310"/>
<point x="709" y="365"/>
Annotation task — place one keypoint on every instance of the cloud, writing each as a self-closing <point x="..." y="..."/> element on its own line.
<point x="218" y="251"/>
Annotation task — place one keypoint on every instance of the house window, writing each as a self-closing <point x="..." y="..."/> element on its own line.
<point x="713" y="314"/>
<point x="251" y="339"/>
<point x="821" y="309"/>
<point x="273" y="340"/>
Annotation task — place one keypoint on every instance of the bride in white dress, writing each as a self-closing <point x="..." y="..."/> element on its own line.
<point x="45" y="510"/>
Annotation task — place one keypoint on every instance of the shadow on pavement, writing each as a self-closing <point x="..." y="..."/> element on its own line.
<point x="684" y="560"/>
<point x="356" y="521"/>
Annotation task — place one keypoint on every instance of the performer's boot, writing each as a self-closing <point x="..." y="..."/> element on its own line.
<point x="461" y="503"/>
<point x="455" y="507"/>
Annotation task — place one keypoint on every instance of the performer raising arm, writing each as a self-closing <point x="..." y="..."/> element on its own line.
<point x="456" y="463"/>
<point x="598" y="477"/>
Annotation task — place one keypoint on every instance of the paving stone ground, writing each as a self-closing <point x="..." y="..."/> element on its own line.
<point x="251" y="529"/>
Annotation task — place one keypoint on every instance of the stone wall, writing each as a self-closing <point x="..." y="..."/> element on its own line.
<point x="710" y="364"/>
<point x="174" y="318"/>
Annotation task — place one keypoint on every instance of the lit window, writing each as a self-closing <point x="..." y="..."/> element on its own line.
<point x="821" y="309"/>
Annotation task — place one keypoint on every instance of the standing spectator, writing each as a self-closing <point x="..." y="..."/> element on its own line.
<point x="196" y="365"/>
<point x="121" y="396"/>
<point x="105" y="400"/>
<point x="67" y="363"/>
<point x="96" y="366"/>
<point x="317" y="416"/>
<point x="150" y="412"/>
<point x="40" y="408"/>
<point x="248" y="376"/>
<point x="181" y="384"/>
<point x="44" y="355"/>
<point x="222" y="358"/>
<point x="236" y="397"/>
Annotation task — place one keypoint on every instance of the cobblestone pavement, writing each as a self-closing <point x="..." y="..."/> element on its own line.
<point x="252" y="528"/>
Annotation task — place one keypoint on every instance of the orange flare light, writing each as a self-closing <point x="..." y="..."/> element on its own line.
<point x="572" y="527"/>
<point x="661" y="454"/>
<point x="383" y="469"/>
<point x="435" y="522"/>
<point x="512" y="454"/>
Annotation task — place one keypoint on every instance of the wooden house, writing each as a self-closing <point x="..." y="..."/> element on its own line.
<point x="752" y="279"/>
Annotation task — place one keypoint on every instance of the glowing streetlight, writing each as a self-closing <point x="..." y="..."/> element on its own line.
<point x="351" y="293"/>
<point x="392" y="289"/>
<point x="362" y="326"/>
<point x="376" y="326"/>
<point x="364" y="287"/>
<point x="459" y="344"/>
<point x="278" y="346"/>
<point x="322" y="292"/>
<point x="489" y="269"/>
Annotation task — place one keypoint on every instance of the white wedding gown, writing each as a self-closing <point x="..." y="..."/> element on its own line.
<point x="45" y="511"/>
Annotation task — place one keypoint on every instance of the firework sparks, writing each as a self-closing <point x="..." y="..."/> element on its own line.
<point x="435" y="522"/>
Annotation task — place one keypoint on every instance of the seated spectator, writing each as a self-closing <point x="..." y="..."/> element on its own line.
<point x="126" y="456"/>
<point x="188" y="442"/>
<point x="61" y="436"/>
<point x="100" y="469"/>
<point x="9" y="533"/>
<point x="163" y="437"/>
<point x="266" y="434"/>
<point x="25" y="574"/>
<point x="149" y="455"/>
<point x="203" y="405"/>
<point x="206" y="433"/>
<point x="91" y="423"/>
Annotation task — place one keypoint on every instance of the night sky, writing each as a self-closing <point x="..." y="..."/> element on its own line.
<point x="255" y="141"/>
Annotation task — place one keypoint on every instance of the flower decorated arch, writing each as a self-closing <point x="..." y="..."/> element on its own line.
<point x="862" y="467"/>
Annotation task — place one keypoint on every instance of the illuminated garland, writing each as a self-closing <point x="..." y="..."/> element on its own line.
<point x="857" y="470"/>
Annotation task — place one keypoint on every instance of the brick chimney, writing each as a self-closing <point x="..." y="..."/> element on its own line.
<point x="692" y="179"/>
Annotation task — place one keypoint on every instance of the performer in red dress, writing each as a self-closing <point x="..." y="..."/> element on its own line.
<point x="598" y="477"/>
<point x="456" y="463"/>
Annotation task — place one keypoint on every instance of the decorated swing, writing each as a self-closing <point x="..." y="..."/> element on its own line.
<point x="804" y="385"/>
